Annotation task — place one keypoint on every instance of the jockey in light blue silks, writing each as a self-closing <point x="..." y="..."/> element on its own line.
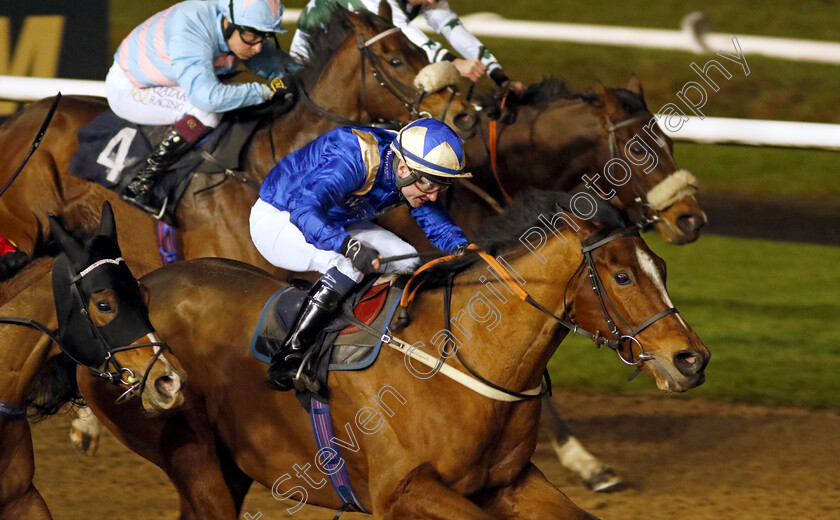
<point x="315" y="208"/>
<point x="167" y="70"/>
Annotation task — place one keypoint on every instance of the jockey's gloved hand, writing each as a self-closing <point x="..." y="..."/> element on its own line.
<point x="360" y="254"/>
<point x="460" y="250"/>
<point x="281" y="91"/>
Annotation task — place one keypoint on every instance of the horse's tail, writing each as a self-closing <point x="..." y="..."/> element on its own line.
<point x="53" y="386"/>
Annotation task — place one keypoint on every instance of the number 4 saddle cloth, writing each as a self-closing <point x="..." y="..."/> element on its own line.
<point x="111" y="151"/>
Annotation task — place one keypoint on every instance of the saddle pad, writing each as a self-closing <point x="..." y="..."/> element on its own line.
<point x="350" y="351"/>
<point x="277" y="317"/>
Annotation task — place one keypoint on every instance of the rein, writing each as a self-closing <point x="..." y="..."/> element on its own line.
<point x="597" y="287"/>
<point x="35" y="144"/>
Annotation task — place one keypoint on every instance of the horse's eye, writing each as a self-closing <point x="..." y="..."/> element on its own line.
<point x="104" y="306"/>
<point x="395" y="62"/>
<point x="622" y="279"/>
<point x="637" y="150"/>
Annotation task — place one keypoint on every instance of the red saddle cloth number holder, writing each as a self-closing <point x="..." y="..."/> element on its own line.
<point x="369" y="306"/>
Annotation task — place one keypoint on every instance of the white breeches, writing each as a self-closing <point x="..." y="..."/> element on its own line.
<point x="284" y="246"/>
<point x="151" y="105"/>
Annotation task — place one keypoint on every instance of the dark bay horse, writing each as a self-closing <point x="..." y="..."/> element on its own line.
<point x="215" y="223"/>
<point x="413" y="448"/>
<point x="31" y="364"/>
<point x="607" y="141"/>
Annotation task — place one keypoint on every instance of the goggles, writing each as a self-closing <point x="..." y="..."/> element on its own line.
<point x="251" y="36"/>
<point x="427" y="185"/>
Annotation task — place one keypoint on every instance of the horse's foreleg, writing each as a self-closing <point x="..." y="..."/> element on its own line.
<point x="85" y="431"/>
<point x="191" y="461"/>
<point x="19" y="500"/>
<point x="531" y="496"/>
<point x="421" y="495"/>
<point x="573" y="456"/>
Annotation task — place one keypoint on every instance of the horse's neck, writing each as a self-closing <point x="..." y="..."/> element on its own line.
<point x="545" y="147"/>
<point x="512" y="342"/>
<point x="337" y="92"/>
<point x="22" y="349"/>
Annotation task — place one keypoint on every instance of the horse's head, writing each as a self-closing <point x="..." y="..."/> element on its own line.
<point x="104" y="321"/>
<point x="619" y="293"/>
<point x="640" y="167"/>
<point x="389" y="76"/>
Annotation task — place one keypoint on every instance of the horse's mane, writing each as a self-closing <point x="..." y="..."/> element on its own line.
<point x="325" y="40"/>
<point x="503" y="232"/>
<point x="552" y="89"/>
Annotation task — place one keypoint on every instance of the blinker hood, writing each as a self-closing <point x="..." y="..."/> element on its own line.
<point x="80" y="338"/>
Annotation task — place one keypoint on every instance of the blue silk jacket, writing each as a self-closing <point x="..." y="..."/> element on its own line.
<point x="345" y="176"/>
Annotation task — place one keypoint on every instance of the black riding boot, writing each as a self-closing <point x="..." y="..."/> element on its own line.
<point x="139" y="191"/>
<point x="316" y="313"/>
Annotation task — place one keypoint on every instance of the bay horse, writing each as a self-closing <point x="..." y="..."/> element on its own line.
<point x="30" y="359"/>
<point x="413" y="448"/>
<point x="353" y="75"/>
<point x="552" y="138"/>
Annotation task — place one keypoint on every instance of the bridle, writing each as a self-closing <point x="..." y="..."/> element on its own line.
<point x="619" y="338"/>
<point x="111" y="369"/>
<point x="607" y="305"/>
<point x="649" y="214"/>
<point x="409" y="97"/>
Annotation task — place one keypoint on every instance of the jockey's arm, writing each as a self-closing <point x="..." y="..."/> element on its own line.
<point x="444" y="21"/>
<point x="438" y="226"/>
<point x="434" y="50"/>
<point x="192" y="57"/>
<point x="326" y="187"/>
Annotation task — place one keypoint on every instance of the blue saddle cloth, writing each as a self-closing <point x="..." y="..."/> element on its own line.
<point x="111" y="150"/>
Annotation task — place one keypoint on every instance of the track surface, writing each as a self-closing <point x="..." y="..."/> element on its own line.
<point x="687" y="459"/>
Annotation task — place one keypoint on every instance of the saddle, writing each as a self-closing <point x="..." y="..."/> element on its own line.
<point x="342" y="345"/>
<point x="111" y="150"/>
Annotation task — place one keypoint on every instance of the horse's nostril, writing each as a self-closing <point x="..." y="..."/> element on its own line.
<point x="168" y="385"/>
<point x="690" y="223"/>
<point x="689" y="363"/>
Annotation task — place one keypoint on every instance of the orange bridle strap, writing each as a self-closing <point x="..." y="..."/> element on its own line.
<point x="494" y="137"/>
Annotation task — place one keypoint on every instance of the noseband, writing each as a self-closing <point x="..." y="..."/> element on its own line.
<point x="650" y="213"/>
<point x="605" y="302"/>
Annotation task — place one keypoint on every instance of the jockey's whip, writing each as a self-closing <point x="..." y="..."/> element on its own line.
<point x="472" y="86"/>
<point x="35" y="143"/>
<point x="389" y="259"/>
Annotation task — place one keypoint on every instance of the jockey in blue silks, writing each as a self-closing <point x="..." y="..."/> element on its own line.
<point x="166" y="72"/>
<point x="315" y="208"/>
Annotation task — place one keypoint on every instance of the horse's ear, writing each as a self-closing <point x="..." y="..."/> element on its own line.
<point x="635" y="86"/>
<point x="74" y="249"/>
<point x="385" y="11"/>
<point x="107" y="225"/>
<point x="608" y="98"/>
